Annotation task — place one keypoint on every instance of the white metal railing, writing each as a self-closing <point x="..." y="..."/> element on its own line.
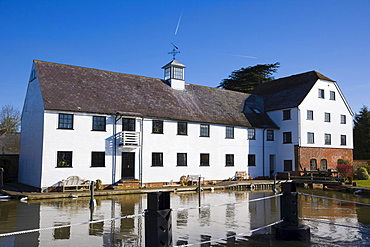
<point x="129" y="139"/>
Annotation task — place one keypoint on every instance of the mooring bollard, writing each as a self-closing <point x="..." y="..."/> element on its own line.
<point x="92" y="199"/>
<point x="290" y="229"/>
<point x="158" y="220"/>
<point x="1" y="177"/>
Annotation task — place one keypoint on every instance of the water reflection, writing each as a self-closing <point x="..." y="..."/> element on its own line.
<point x="336" y="212"/>
<point x="189" y="225"/>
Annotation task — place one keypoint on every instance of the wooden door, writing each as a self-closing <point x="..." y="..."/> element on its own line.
<point x="128" y="165"/>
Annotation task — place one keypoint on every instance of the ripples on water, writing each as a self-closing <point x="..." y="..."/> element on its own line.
<point x="189" y="226"/>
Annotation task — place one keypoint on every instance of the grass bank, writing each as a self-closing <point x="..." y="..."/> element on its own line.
<point x="363" y="183"/>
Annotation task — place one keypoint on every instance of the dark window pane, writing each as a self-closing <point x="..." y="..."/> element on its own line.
<point x="157" y="159"/>
<point x="158" y="126"/>
<point x="287" y="137"/>
<point x="181" y="159"/>
<point x="229" y="160"/>
<point x="98" y="159"/>
<point x="288" y="165"/>
<point x="270" y="135"/>
<point x="204" y="159"/>
<point x="64" y="159"/>
<point x="65" y="121"/>
<point x="99" y="123"/>
<point x="343" y="140"/>
<point x="251" y="160"/>
<point x="182" y="128"/>
<point x="128" y="124"/>
<point x="286" y="115"/>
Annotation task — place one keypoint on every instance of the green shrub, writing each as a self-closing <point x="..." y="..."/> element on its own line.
<point x="362" y="174"/>
<point x="367" y="167"/>
<point x="342" y="161"/>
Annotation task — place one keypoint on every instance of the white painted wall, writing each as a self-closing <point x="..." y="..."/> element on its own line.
<point x="81" y="140"/>
<point x="31" y="141"/>
<point x="318" y="126"/>
<point x="170" y="144"/>
<point x="256" y="147"/>
<point x="285" y="151"/>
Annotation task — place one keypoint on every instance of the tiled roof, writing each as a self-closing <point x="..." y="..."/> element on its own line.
<point x="287" y="92"/>
<point x="72" y="88"/>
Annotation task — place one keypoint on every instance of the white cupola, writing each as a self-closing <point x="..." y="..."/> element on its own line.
<point x="174" y="74"/>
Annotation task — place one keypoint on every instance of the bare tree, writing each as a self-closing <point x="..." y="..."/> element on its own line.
<point x="10" y="119"/>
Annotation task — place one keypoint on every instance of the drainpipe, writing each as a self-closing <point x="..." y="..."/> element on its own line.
<point x="296" y="159"/>
<point x="114" y="150"/>
<point x="117" y="117"/>
<point x="263" y="151"/>
<point x="141" y="152"/>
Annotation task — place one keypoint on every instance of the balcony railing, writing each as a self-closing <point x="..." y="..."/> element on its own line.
<point x="129" y="139"/>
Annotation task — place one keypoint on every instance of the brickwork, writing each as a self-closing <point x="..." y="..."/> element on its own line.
<point x="305" y="154"/>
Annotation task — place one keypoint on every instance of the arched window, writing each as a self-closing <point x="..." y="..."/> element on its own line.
<point x="324" y="164"/>
<point x="313" y="164"/>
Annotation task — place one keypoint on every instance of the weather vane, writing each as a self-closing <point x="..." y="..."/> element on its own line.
<point x="174" y="51"/>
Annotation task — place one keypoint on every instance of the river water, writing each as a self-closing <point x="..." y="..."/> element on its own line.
<point x="189" y="226"/>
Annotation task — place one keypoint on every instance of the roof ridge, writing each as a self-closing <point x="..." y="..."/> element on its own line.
<point x="220" y="89"/>
<point x="103" y="70"/>
<point x="318" y="74"/>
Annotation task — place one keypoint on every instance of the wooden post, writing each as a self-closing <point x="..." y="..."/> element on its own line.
<point x="1" y="177"/>
<point x="290" y="229"/>
<point x="199" y="184"/>
<point x="92" y="199"/>
<point x="199" y="190"/>
<point x="274" y="186"/>
<point x="158" y="220"/>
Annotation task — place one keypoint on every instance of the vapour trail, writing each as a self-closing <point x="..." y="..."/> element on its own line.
<point x="178" y="23"/>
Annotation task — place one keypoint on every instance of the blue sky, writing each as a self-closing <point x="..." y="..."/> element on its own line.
<point x="215" y="38"/>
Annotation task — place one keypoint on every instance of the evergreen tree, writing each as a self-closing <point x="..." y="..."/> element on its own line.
<point x="246" y="79"/>
<point x="361" y="135"/>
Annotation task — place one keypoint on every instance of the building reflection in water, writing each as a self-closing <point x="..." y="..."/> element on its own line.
<point x="336" y="212"/>
<point x="210" y="222"/>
